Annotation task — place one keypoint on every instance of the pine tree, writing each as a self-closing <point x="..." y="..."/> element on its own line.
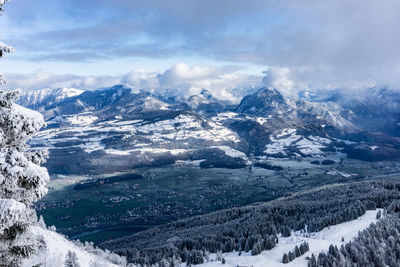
<point x="3" y="47"/>
<point x="291" y="256"/>
<point x="312" y="262"/>
<point x="219" y="255"/>
<point x="286" y="231"/>
<point x="257" y="248"/>
<point x="297" y="252"/>
<point x="71" y="259"/>
<point x="378" y="215"/>
<point x="22" y="180"/>
<point x="285" y="258"/>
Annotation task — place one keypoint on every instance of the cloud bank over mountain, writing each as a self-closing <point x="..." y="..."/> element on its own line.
<point x="225" y="83"/>
<point x="328" y="44"/>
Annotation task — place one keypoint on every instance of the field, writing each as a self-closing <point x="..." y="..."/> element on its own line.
<point x="99" y="208"/>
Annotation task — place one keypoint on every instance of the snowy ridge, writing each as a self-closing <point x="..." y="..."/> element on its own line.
<point x="57" y="248"/>
<point x="39" y="98"/>
<point x="329" y="112"/>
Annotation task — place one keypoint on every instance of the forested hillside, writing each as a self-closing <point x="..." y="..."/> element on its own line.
<point x="379" y="245"/>
<point x="255" y="228"/>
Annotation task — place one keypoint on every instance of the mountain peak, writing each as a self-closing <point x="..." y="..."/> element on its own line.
<point x="268" y="91"/>
<point x="207" y="94"/>
<point x="264" y="101"/>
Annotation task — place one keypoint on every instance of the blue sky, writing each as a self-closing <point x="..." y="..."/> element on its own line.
<point x="299" y="43"/>
<point x="151" y="35"/>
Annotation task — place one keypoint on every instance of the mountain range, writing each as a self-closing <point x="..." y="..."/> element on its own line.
<point x="118" y="128"/>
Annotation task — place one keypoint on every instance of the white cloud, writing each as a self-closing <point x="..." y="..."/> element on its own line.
<point x="190" y="80"/>
<point x="140" y="79"/>
<point x="280" y="78"/>
<point x="341" y="43"/>
<point x="40" y="80"/>
<point x="225" y="83"/>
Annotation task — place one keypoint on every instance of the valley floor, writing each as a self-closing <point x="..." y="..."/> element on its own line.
<point x="318" y="242"/>
<point x="103" y="211"/>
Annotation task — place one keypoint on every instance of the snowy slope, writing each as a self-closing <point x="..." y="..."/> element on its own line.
<point x="39" y="98"/>
<point x="289" y="139"/>
<point x="57" y="248"/>
<point x="318" y="242"/>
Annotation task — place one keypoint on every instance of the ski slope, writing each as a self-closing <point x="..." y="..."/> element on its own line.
<point x="318" y="242"/>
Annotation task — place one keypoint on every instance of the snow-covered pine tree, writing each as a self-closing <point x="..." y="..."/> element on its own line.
<point x="71" y="260"/>
<point x="22" y="180"/>
<point x="3" y="47"/>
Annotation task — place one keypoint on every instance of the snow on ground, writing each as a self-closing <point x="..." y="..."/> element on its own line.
<point x="286" y="132"/>
<point x="347" y="142"/>
<point x="68" y="92"/>
<point x="224" y="116"/>
<point x="82" y="119"/>
<point x="57" y="249"/>
<point x="281" y="141"/>
<point x="336" y="172"/>
<point x="318" y="242"/>
<point x="84" y="129"/>
<point x="185" y="126"/>
<point x="261" y="120"/>
<point x="92" y="146"/>
<point x="145" y="150"/>
<point x="231" y="152"/>
<point x="188" y="163"/>
<point x="310" y="145"/>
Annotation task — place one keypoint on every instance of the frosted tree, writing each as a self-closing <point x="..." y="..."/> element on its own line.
<point x="3" y="47"/>
<point x="71" y="259"/>
<point x="22" y="180"/>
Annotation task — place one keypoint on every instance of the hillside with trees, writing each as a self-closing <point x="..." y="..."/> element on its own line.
<point x="256" y="227"/>
<point x="379" y="245"/>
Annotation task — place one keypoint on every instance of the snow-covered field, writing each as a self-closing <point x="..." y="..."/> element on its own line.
<point x="84" y="132"/>
<point x="145" y="150"/>
<point x="310" y="145"/>
<point x="231" y="152"/>
<point x="82" y="119"/>
<point x="336" y="172"/>
<point x="318" y="242"/>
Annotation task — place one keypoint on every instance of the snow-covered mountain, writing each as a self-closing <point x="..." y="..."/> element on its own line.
<point x="89" y="129"/>
<point x="45" y="97"/>
<point x="374" y="109"/>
